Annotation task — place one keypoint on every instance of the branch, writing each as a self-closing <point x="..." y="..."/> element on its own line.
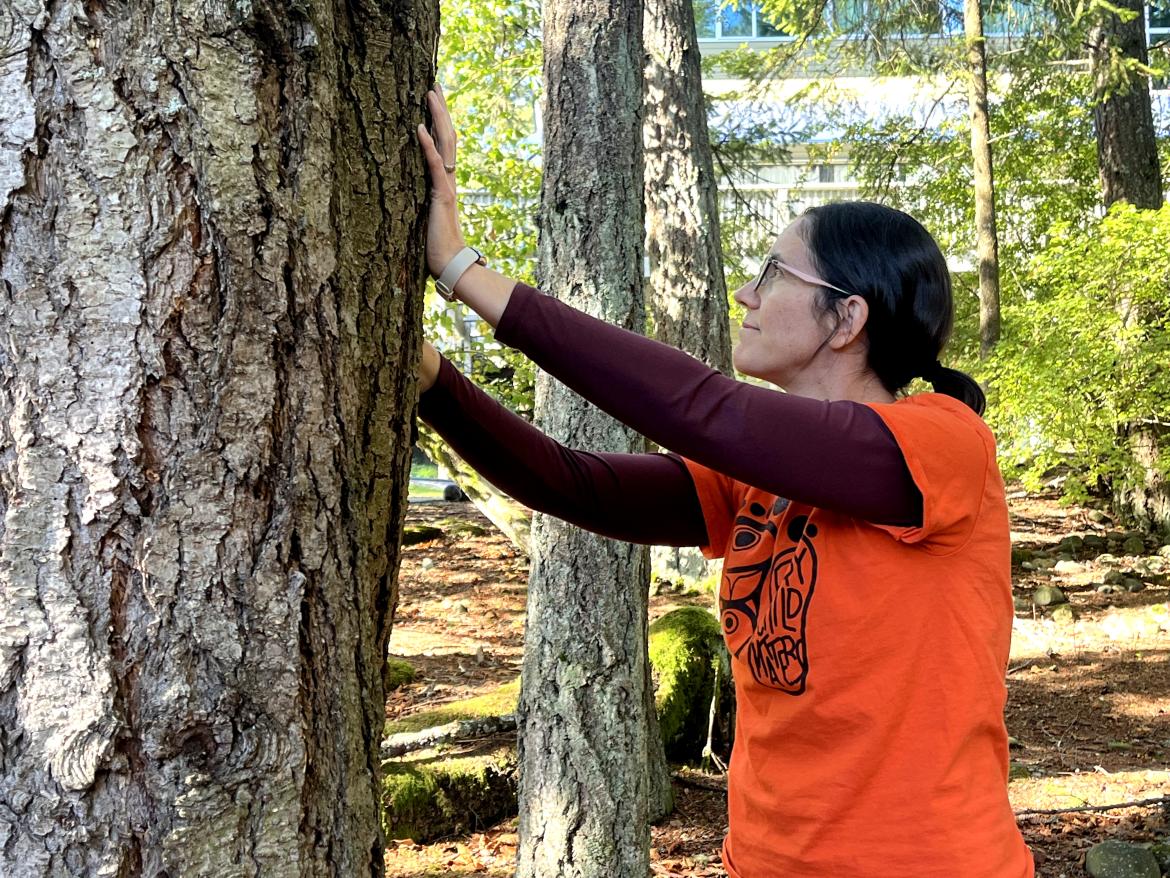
<point x="459" y="730"/>
<point x="1140" y="803"/>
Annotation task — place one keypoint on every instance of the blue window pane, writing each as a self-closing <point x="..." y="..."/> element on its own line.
<point x="848" y="14"/>
<point x="737" y="20"/>
<point x="1160" y="15"/>
<point x="706" y="11"/>
<point x="1014" y="17"/>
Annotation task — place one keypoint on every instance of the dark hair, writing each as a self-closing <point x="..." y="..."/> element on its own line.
<point x="888" y="258"/>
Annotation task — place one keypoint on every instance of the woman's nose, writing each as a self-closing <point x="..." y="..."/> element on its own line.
<point x="746" y="295"/>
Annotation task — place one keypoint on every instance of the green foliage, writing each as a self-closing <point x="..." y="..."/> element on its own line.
<point x="1086" y="341"/>
<point x="490" y="69"/>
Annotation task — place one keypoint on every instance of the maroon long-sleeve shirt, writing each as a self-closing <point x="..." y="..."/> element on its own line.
<point x="834" y="455"/>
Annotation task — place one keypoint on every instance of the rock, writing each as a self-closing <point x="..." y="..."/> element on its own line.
<point x="1048" y="595"/>
<point x="1044" y="563"/>
<point x="452" y="493"/>
<point x="1133" y="545"/>
<point x="1164" y="551"/>
<point x="427" y="795"/>
<point x="1110" y="588"/>
<point x="1073" y="543"/>
<point x="1095" y="542"/>
<point x="1027" y="565"/>
<point x="1134" y="585"/>
<point x="1106" y="558"/>
<point x="686" y="653"/>
<point x="462" y="528"/>
<point x="427" y="564"/>
<point x="1119" y="745"/>
<point x="1161" y="852"/>
<point x="1022" y="604"/>
<point x="1063" y="614"/>
<point x="1020" y="554"/>
<point x="413" y="534"/>
<point x="397" y="673"/>
<point x="1117" y="859"/>
<point x="1098" y="517"/>
<point x="1114" y="577"/>
<point x="1067" y="567"/>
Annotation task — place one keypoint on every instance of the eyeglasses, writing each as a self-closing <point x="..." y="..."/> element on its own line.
<point x="772" y="261"/>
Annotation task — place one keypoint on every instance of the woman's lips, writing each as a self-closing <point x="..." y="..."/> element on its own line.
<point x="749" y="326"/>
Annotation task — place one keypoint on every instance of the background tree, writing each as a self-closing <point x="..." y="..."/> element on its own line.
<point x="686" y="294"/>
<point x="211" y="259"/>
<point x="1127" y="154"/>
<point x="586" y="714"/>
<point x="986" y="235"/>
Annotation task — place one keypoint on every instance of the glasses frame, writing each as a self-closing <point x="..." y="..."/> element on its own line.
<point x="797" y="273"/>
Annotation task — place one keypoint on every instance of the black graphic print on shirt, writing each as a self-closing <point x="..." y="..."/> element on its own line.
<point x="764" y="603"/>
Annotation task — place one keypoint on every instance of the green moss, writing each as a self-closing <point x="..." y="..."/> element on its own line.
<point x="462" y="528"/>
<point x="398" y="673"/>
<point x="426" y="795"/>
<point x="501" y="700"/>
<point x="686" y="654"/>
<point x="413" y="534"/>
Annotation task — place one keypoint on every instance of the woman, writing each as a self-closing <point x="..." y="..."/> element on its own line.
<point x="865" y="598"/>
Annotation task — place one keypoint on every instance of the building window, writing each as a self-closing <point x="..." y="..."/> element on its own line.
<point x="1160" y="16"/>
<point x="742" y="19"/>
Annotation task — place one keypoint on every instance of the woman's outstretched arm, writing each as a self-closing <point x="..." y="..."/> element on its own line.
<point x="640" y="498"/>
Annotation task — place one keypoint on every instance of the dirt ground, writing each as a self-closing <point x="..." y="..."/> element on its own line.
<point x="1088" y="710"/>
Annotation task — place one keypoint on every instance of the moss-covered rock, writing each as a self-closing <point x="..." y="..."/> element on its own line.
<point x="433" y="793"/>
<point x="413" y="534"/>
<point x="398" y="672"/>
<point x="686" y="654"/>
<point x="427" y="795"/>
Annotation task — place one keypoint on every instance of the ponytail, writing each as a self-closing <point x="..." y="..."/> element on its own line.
<point x="960" y="385"/>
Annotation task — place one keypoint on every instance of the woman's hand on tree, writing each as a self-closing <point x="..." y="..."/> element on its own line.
<point x="428" y="368"/>
<point x="444" y="238"/>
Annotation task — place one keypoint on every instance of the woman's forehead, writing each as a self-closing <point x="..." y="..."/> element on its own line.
<point x="789" y="247"/>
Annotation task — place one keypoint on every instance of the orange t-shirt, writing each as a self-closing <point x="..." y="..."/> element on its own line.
<point x="869" y="667"/>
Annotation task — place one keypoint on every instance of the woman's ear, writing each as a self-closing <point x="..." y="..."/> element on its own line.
<point x="853" y="313"/>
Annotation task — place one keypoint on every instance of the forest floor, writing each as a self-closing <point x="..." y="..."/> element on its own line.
<point x="1088" y="705"/>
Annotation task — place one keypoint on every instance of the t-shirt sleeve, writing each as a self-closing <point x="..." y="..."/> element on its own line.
<point x="720" y="497"/>
<point x="949" y="452"/>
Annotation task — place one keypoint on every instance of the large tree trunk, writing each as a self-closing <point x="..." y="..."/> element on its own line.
<point x="586" y="709"/>
<point x="986" y="238"/>
<point x="687" y="292"/>
<point x="210" y="297"/>
<point x="1127" y="156"/>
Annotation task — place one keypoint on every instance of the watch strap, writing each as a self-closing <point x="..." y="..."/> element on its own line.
<point x="459" y="263"/>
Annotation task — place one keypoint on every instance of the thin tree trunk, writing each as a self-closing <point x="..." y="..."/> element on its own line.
<point x="1127" y="157"/>
<point x="1127" y="149"/>
<point x="210" y="298"/>
<point x="686" y="293"/>
<point x="586" y="710"/>
<point x="986" y="237"/>
<point x="513" y="519"/>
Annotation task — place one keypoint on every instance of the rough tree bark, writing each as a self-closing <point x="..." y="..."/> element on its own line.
<point x="686" y="294"/>
<point x="586" y="711"/>
<point x="210" y="295"/>
<point x="1127" y="156"/>
<point x="1127" y="148"/>
<point x="986" y="237"/>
